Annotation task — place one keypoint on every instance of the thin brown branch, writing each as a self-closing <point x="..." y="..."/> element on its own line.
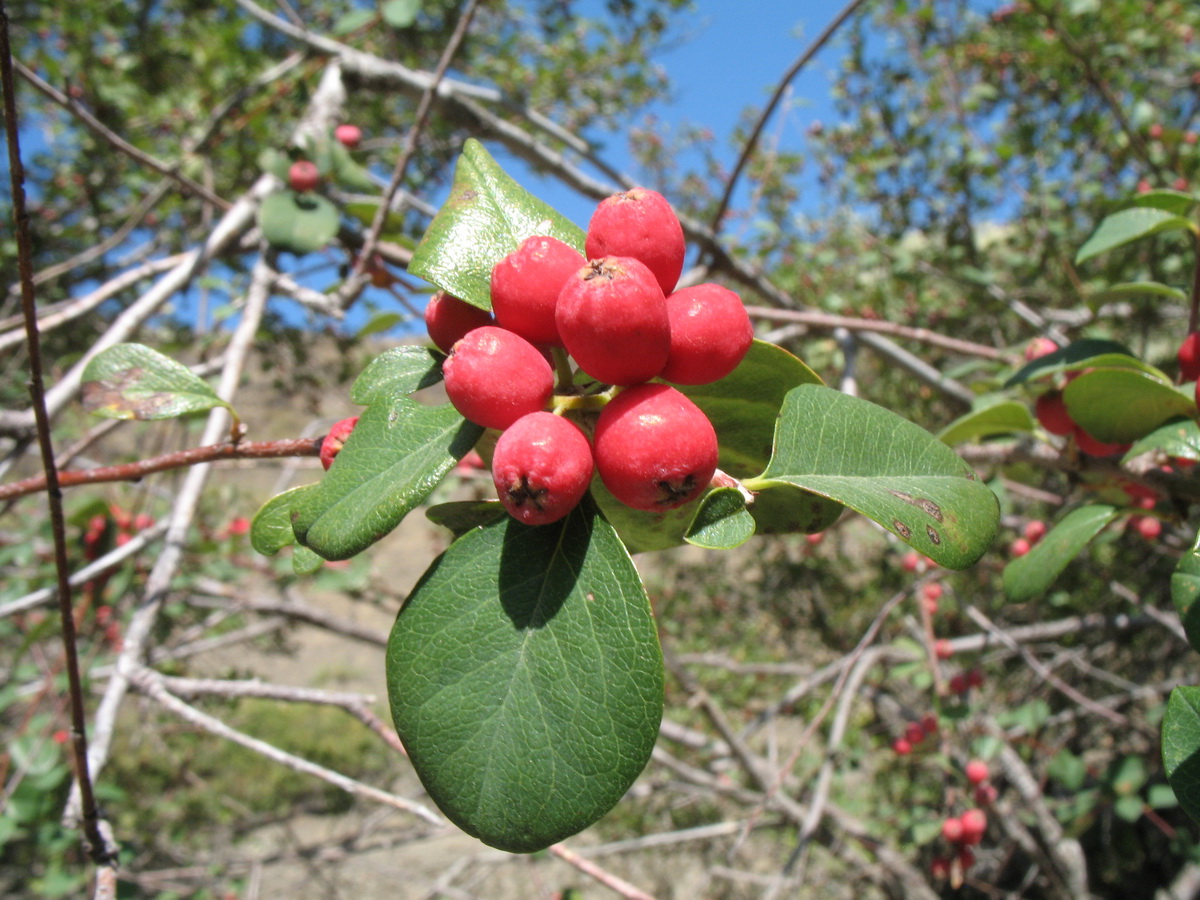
<point x="604" y="877"/>
<point x="780" y="89"/>
<point x="101" y="130"/>
<point x="102" y="852"/>
<point x="180" y="459"/>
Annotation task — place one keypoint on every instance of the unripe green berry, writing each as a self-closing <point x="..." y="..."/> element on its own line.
<point x="493" y="377"/>
<point x="655" y="449"/>
<point x="541" y="467"/>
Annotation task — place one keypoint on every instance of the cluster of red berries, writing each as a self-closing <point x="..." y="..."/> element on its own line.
<point x="1034" y="531"/>
<point x="963" y="832"/>
<point x="1051" y="410"/>
<point x="125" y="523"/>
<point x="303" y="175"/>
<point x="915" y="734"/>
<point x="614" y="312"/>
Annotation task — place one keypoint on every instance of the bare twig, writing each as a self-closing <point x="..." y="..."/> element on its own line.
<point x="100" y="847"/>
<point x="595" y="872"/>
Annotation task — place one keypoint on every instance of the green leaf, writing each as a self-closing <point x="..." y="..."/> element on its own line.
<point x="400" y="13"/>
<point x="345" y="170"/>
<point x="744" y="405"/>
<point x="297" y="223"/>
<point x="271" y="531"/>
<point x="397" y="454"/>
<point x="644" y="532"/>
<point x="525" y="679"/>
<point x="1177" y="203"/>
<point x="1003" y="417"/>
<point x="885" y="467"/>
<point x="1136" y="289"/>
<point x="782" y="508"/>
<point x="1129" y="809"/>
<point x="393" y="224"/>
<point x="721" y="522"/>
<point x="461" y="516"/>
<point x="1185" y="590"/>
<point x="1179" y="439"/>
<point x="1130" y="225"/>
<point x="395" y="372"/>
<point x="352" y="21"/>
<point x="275" y="162"/>
<point x="1181" y="747"/>
<point x="1089" y="352"/>
<point x="485" y="218"/>
<point x="1030" y="575"/>
<point x="131" y="381"/>
<point x="1122" y="405"/>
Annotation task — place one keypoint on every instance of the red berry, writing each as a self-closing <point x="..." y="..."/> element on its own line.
<point x="901" y="747"/>
<point x="303" y="176"/>
<point x="974" y="824"/>
<point x="612" y="318"/>
<point x="1051" y="411"/>
<point x="914" y="733"/>
<point x="542" y="467"/>
<point x="1189" y="357"/>
<point x="1034" y="530"/>
<point x="493" y="377"/>
<point x="1181" y="184"/>
<point x="932" y="591"/>
<point x="350" y="136"/>
<point x="240" y="524"/>
<point x="1147" y="526"/>
<point x="952" y="830"/>
<point x="958" y="684"/>
<point x="332" y="445"/>
<point x="1019" y="547"/>
<point x="1155" y="131"/>
<point x="929" y="724"/>
<point x="1092" y="447"/>
<point x="985" y="794"/>
<point x="911" y="561"/>
<point x="1144" y="187"/>
<point x="815" y="538"/>
<point x="974" y="678"/>
<point x="142" y="521"/>
<point x="448" y="319"/>
<point x="526" y="284"/>
<point x="655" y="449"/>
<point x="1039" y="346"/>
<point x="98" y="524"/>
<point x="61" y="736"/>
<point x="639" y="223"/>
<point x="710" y="334"/>
<point x="977" y="771"/>
<point x="1190" y="138"/>
<point x="943" y="649"/>
<point x="940" y="868"/>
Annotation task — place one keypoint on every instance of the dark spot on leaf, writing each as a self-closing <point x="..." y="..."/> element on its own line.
<point x="903" y="530"/>
<point x="933" y="535"/>
<point x="922" y="503"/>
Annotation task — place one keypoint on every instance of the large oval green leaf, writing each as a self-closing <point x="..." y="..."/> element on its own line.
<point x="1002" y="417"/>
<point x="1180" y="439"/>
<point x="1130" y="225"/>
<point x="1081" y="354"/>
<point x="485" y="218"/>
<point x="1181" y="747"/>
<point x="885" y="467"/>
<point x="1122" y="405"/>
<point x="1031" y="575"/>
<point x="298" y="223"/>
<point x="397" y="454"/>
<point x="525" y="679"/>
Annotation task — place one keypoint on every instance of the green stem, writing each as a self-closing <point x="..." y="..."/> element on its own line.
<point x="562" y="368"/>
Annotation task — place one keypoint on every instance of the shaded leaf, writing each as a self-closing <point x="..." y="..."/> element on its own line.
<point x="461" y="516"/>
<point x="1175" y="202"/>
<point x="1136" y="289"/>
<point x="485" y="218"/>
<point x="1130" y="225"/>
<point x="1030" y="575"/>
<point x="885" y="467"/>
<point x="1185" y="590"/>
<point x="131" y="381"/>
<point x="271" y="531"/>
<point x="1179" y="439"/>
<point x="1079" y="355"/>
<point x="525" y="679"/>
<point x="721" y="522"/>
<point x="1181" y="747"/>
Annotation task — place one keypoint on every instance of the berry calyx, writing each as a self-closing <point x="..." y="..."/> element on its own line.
<point x="1189" y="357"/>
<point x="303" y="176"/>
<point x="332" y="445"/>
<point x="526" y="284"/>
<point x="612" y="318"/>
<point x="1052" y="413"/>
<point x="655" y="449"/>
<point x="493" y="377"/>
<point x="639" y="223"/>
<point x="541" y="467"/>
<point x="448" y="319"/>
<point x="710" y="334"/>
<point x="349" y="136"/>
